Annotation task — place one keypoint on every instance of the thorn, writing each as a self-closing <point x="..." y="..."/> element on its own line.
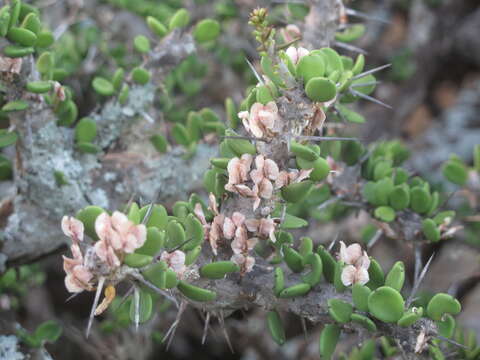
<point x="304" y="327"/>
<point x="371" y="71"/>
<point x="326" y="138"/>
<point x="418" y="281"/>
<point x="366" y="84"/>
<point x="243" y="138"/>
<point x="173" y="328"/>
<point x="179" y="246"/>
<point x="205" y="328"/>
<point x="453" y="342"/>
<point x="350" y="47"/>
<point x="101" y="281"/>
<point x="224" y="330"/>
<point x="154" y="288"/>
<point x="136" y="301"/>
<point x="363" y="15"/>
<point x="328" y="202"/>
<point x="374" y="239"/>
<point x="334" y="241"/>
<point x="284" y="213"/>
<point x="367" y="97"/>
<point x="72" y="296"/>
<point x="259" y="78"/>
<point x="147" y="117"/>
<point x="150" y="208"/>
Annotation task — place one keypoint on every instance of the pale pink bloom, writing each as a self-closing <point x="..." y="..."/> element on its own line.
<point x="295" y="54"/>
<point x="353" y="275"/>
<point x="59" y="91"/>
<point x="294" y="176"/>
<point x="107" y="254"/>
<point x="357" y="263"/>
<point x="198" y="211"/>
<point x="264" y="227"/>
<point x="216" y="232"/>
<point x="238" y="169"/>
<point x="261" y="119"/>
<point x="72" y="228"/>
<point x="175" y="261"/>
<point x="241" y="189"/>
<point x="118" y="232"/>
<point x="265" y="169"/>
<point x="230" y="225"/>
<point x="78" y="279"/>
<point x="241" y="244"/>
<point x="212" y="203"/>
<point x="244" y="261"/>
<point x="243" y="115"/>
<point x="291" y="32"/>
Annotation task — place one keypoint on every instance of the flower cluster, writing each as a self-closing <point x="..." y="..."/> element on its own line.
<point x="261" y="119"/>
<point x="357" y="264"/>
<point x="117" y="236"/>
<point x="237" y="229"/>
<point x="175" y="261"/>
<point x="262" y="176"/>
<point x="295" y="54"/>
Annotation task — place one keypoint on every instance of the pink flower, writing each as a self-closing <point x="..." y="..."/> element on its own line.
<point x="265" y="169"/>
<point x="230" y="225"/>
<point x="261" y="120"/>
<point x="352" y="275"/>
<point x="216" y="232"/>
<point x="295" y="54"/>
<point x="291" y="32"/>
<point x="119" y="232"/>
<point x="357" y="263"/>
<point x="242" y="244"/>
<point x="73" y="228"/>
<point x="175" y="261"/>
<point x="245" y="262"/>
<point x="78" y="279"/>
<point x="264" y="228"/>
<point x="107" y="254"/>
<point x="238" y="169"/>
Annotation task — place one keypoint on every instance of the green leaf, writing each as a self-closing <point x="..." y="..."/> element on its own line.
<point x="340" y="310"/>
<point x="17" y="105"/>
<point x="320" y="89"/>
<point x="310" y="66"/>
<point x="39" y="87"/>
<point x="102" y="86"/>
<point x="159" y="142"/>
<point x="141" y="44"/>
<point x="156" y="26"/>
<point x="86" y="130"/>
<point x="48" y="331"/>
<point x="206" y="30"/>
<point x="7" y="138"/>
<point x="87" y="216"/>
<point x="328" y="340"/>
<point x="22" y="36"/>
<point x="275" y="327"/>
<point x="180" y="134"/>
<point x="16" y="51"/>
<point x="385" y="213"/>
<point x="145" y="306"/>
<point x="455" y="172"/>
<point x="386" y="304"/>
<point x="442" y="304"/>
<point x="140" y="75"/>
<point x="180" y="19"/>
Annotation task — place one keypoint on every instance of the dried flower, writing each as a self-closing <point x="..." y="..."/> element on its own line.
<point x="245" y="262"/>
<point x="295" y="54"/>
<point x="238" y="169"/>
<point x="286" y="178"/>
<point x="264" y="228"/>
<point x="261" y="119"/>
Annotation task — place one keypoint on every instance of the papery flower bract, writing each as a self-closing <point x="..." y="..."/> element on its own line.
<point x="238" y="169"/>
<point x="261" y="119"/>
<point x="295" y="54"/>
<point x="265" y="227"/>
<point x="73" y="228"/>
<point x="175" y="261"/>
<point x="231" y="224"/>
<point x="244" y="261"/>
<point x="78" y="279"/>
<point x="349" y="255"/>
<point x="294" y="176"/>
